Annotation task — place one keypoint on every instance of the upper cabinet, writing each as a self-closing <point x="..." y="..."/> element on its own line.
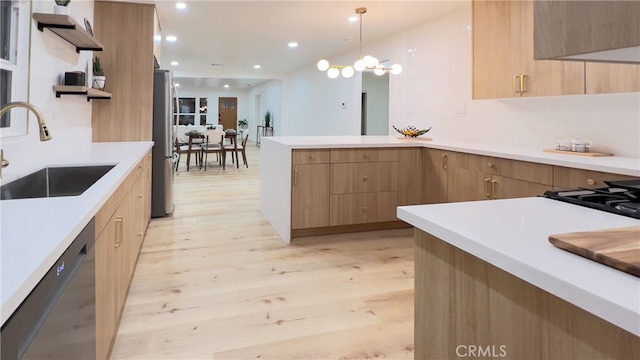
<point x="126" y="30"/>
<point x="504" y="65"/>
<point x="157" y="39"/>
<point x="606" y="31"/>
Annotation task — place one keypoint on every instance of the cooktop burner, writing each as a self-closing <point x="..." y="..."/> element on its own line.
<point x="623" y="201"/>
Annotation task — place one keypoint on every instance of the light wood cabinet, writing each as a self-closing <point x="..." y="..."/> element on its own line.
<point x="503" y="64"/>
<point x="570" y="178"/>
<point x="453" y="177"/>
<point x="157" y="39"/>
<point x="310" y="189"/>
<point x="341" y="190"/>
<point x="120" y="228"/>
<point x="128" y="61"/>
<point x="604" y="78"/>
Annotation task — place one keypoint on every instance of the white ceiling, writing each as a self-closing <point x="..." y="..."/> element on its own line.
<point x="241" y="34"/>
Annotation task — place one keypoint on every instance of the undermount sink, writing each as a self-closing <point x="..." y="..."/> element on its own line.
<point x="54" y="182"/>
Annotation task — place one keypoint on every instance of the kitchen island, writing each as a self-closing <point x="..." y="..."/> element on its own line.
<point x="35" y="232"/>
<point x="323" y="157"/>
<point x="488" y="280"/>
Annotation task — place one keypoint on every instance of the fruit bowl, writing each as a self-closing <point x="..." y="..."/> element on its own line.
<point x="411" y="131"/>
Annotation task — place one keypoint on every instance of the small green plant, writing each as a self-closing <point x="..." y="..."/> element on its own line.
<point x="267" y="119"/>
<point x="63" y="2"/>
<point x="243" y="123"/>
<point x="97" y="67"/>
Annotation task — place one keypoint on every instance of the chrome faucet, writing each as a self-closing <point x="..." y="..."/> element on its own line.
<point x="44" y="131"/>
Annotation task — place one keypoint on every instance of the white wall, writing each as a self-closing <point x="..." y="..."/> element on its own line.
<point x="212" y="101"/>
<point x="436" y="82"/>
<point x="271" y="98"/>
<point x="68" y="117"/>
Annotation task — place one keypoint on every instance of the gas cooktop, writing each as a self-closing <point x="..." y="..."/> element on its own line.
<point x="620" y="197"/>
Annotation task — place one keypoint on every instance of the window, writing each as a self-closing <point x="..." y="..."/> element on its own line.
<point x="203" y="111"/>
<point x="186" y="111"/>
<point x="14" y="63"/>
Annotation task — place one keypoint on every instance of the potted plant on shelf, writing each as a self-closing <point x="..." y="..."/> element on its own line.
<point x="267" y="119"/>
<point x="98" y="74"/>
<point x="243" y="124"/>
<point x="61" y="7"/>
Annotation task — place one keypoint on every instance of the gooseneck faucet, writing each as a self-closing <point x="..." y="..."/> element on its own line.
<point x="45" y="135"/>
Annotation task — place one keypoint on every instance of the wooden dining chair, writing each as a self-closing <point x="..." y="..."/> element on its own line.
<point x="240" y="148"/>
<point x="213" y="141"/>
<point x="184" y="149"/>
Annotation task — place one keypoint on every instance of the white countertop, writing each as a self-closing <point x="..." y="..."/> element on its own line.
<point x="35" y="232"/>
<point x="512" y="234"/>
<point x="612" y="164"/>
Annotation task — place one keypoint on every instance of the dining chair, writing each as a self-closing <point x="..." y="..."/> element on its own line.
<point x="213" y="140"/>
<point x="184" y="149"/>
<point x="240" y="148"/>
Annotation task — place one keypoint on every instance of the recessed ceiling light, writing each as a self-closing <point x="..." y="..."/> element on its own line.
<point x="181" y="5"/>
<point x="157" y="37"/>
<point x="174" y="63"/>
<point x="257" y="66"/>
<point x="293" y="44"/>
<point x="171" y="38"/>
<point x="176" y="84"/>
<point x="226" y="85"/>
<point x="353" y="18"/>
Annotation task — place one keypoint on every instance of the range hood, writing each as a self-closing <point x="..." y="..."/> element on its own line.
<point x="599" y="31"/>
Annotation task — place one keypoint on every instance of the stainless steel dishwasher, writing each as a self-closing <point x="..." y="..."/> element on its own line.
<point x="57" y="320"/>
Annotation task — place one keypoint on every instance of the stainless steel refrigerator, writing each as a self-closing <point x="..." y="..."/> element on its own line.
<point x="163" y="160"/>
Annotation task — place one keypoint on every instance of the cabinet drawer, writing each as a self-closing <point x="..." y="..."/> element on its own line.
<point x="522" y="170"/>
<point x="348" y="209"/>
<point x="363" y="155"/>
<point x="569" y="178"/>
<point x="310" y="156"/>
<point x="363" y="177"/>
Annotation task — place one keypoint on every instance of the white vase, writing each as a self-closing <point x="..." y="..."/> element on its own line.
<point x="98" y="82"/>
<point x="60" y="10"/>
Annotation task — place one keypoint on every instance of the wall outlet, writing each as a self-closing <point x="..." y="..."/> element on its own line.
<point x="461" y="111"/>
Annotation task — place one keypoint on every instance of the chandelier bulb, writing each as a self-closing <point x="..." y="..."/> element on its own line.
<point x="333" y="73"/>
<point x="359" y="65"/>
<point x="347" y="71"/>
<point x="379" y="70"/>
<point x="396" y="69"/>
<point x="323" y="65"/>
<point x="370" y="61"/>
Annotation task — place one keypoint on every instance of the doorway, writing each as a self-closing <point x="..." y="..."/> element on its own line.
<point x="228" y="112"/>
<point x="375" y="104"/>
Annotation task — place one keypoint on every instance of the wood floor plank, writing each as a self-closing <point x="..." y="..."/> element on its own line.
<point x="215" y="281"/>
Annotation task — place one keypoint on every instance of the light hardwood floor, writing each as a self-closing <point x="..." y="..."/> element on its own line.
<point x="214" y="281"/>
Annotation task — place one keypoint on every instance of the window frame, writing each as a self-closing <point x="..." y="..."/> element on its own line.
<point x="18" y="64"/>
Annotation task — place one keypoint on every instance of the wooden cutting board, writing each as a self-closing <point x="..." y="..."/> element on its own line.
<point x="618" y="248"/>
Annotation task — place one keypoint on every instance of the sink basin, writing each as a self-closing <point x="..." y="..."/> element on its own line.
<point x="54" y="182"/>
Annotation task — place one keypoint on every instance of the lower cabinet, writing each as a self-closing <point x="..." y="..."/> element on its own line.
<point x="453" y="177"/>
<point x="569" y="178"/>
<point x="118" y="241"/>
<point x="344" y="187"/>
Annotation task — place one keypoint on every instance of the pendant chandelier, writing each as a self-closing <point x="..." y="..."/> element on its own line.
<point x="367" y="62"/>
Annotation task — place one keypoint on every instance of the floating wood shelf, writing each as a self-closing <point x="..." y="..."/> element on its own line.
<point x="68" y="29"/>
<point x="81" y="90"/>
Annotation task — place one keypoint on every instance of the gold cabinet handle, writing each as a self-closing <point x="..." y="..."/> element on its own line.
<point x="490" y="165"/>
<point x="517" y="84"/>
<point x="120" y="230"/>
<point x="445" y="162"/>
<point x="295" y="177"/>
<point x="139" y="196"/>
<point x="139" y="233"/>
<point x="493" y="189"/>
<point x="523" y="83"/>
<point x="364" y="209"/>
<point x="311" y="157"/>
<point x="591" y="182"/>
<point x="366" y="156"/>
<point x="365" y="178"/>
<point x="486" y="188"/>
